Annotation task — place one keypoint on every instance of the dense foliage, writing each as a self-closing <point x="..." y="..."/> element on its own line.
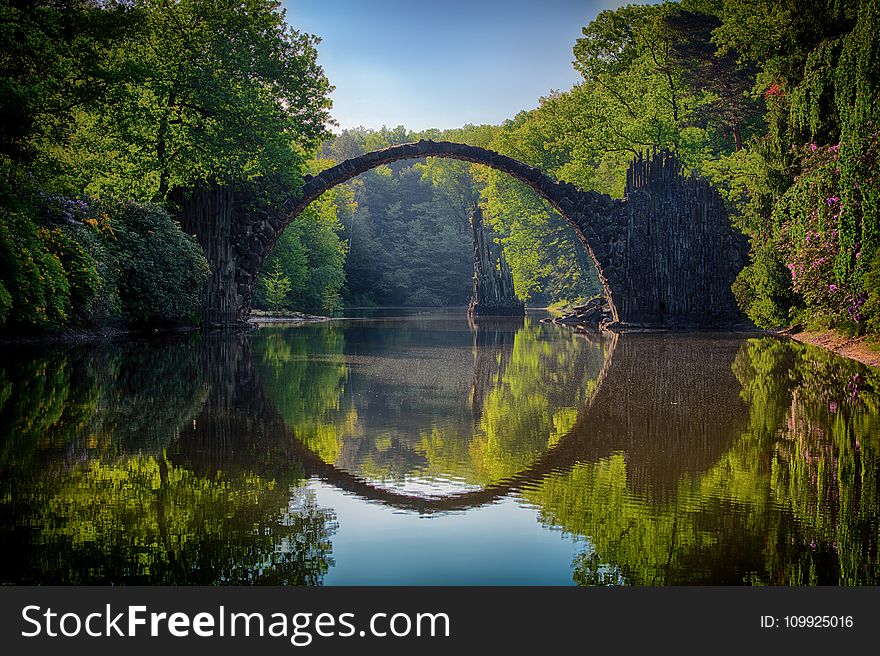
<point x="408" y="240"/>
<point x="83" y="262"/>
<point x="122" y="101"/>
<point x="813" y="199"/>
<point x="776" y="103"/>
<point x="306" y="268"/>
<point x="161" y="270"/>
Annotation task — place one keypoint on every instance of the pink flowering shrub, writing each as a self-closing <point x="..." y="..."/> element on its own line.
<point x="811" y="265"/>
<point x="819" y="230"/>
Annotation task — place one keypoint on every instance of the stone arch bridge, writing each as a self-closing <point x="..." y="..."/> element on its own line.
<point x="665" y="252"/>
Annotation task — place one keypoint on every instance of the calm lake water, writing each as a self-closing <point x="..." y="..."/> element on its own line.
<point x="416" y="448"/>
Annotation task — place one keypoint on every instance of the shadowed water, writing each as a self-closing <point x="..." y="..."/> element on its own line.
<point x="416" y="447"/>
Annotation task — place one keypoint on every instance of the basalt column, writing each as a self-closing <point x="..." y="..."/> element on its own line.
<point x="679" y="254"/>
<point x="493" y="293"/>
<point x="236" y="228"/>
<point x="208" y="213"/>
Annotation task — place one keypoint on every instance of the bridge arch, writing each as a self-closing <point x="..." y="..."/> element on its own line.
<point x="584" y="211"/>
<point x="665" y="253"/>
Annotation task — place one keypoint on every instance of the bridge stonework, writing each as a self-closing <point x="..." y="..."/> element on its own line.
<point x="665" y="253"/>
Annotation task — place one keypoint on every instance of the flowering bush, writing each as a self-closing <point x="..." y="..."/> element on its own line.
<point x="819" y="229"/>
<point x="78" y="262"/>
<point x="811" y="266"/>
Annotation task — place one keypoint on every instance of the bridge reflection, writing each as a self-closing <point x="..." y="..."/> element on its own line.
<point x="670" y="405"/>
<point x="675" y="458"/>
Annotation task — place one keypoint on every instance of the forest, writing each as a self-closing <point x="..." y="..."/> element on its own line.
<point x="108" y="107"/>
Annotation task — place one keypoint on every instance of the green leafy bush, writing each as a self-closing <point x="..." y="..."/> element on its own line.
<point x="763" y="289"/>
<point x="161" y="269"/>
<point x="80" y="269"/>
<point x="95" y="237"/>
<point x="871" y="302"/>
<point x="5" y="303"/>
<point x="37" y="291"/>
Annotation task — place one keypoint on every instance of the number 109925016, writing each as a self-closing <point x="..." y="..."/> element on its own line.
<point x="808" y="622"/>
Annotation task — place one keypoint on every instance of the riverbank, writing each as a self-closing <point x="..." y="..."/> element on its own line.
<point x="119" y="331"/>
<point x="862" y="349"/>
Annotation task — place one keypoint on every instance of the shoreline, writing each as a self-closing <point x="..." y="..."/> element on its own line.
<point x="117" y="331"/>
<point x="860" y="349"/>
<point x="865" y="350"/>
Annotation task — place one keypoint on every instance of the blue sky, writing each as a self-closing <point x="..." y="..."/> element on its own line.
<point x="442" y="63"/>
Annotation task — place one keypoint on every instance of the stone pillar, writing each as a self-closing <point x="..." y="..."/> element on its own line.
<point x="679" y="253"/>
<point x="208" y="213"/>
<point x="493" y="293"/>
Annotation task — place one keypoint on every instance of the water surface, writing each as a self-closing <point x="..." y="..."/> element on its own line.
<point x="418" y="448"/>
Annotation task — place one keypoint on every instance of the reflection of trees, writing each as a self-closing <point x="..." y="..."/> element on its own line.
<point x="533" y="401"/>
<point x="140" y="519"/>
<point x="303" y="376"/>
<point x="439" y="402"/>
<point x="113" y="397"/>
<point x="151" y="463"/>
<point x="40" y="408"/>
<point x="792" y="499"/>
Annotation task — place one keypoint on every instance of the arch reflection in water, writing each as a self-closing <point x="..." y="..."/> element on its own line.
<point x="443" y="408"/>
<point x="771" y="480"/>
<point x="449" y="453"/>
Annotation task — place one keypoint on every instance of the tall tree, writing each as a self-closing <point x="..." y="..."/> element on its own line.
<point x="223" y="91"/>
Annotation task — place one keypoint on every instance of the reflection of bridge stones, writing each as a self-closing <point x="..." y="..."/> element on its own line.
<point x="669" y="403"/>
<point x="665" y="253"/>
<point x="237" y="427"/>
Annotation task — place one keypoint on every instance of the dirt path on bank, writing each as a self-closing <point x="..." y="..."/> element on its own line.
<point x="862" y="349"/>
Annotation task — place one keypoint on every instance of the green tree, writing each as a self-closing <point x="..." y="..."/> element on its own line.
<point x="222" y="91"/>
<point x="58" y="59"/>
<point x="277" y="286"/>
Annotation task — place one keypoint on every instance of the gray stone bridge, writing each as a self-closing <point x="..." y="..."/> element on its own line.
<point x="665" y="252"/>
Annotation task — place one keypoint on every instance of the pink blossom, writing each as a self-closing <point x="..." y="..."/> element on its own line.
<point x="814" y="147"/>
<point x="832" y="287"/>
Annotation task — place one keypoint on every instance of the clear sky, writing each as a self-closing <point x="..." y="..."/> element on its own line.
<point x="442" y="63"/>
